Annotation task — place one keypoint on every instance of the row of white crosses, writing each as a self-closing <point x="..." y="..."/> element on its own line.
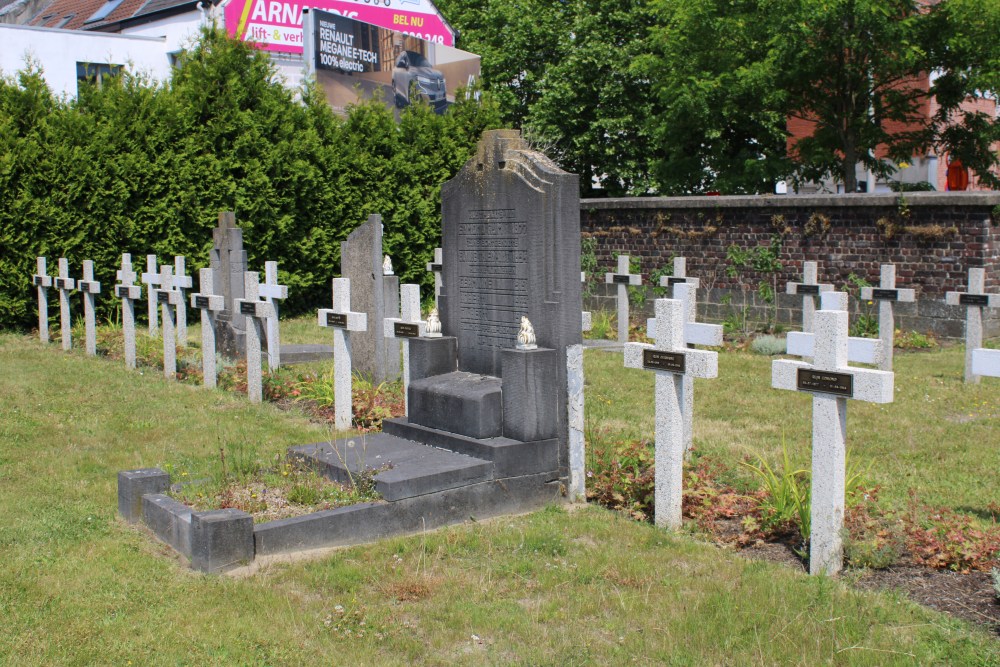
<point x="87" y="285"/>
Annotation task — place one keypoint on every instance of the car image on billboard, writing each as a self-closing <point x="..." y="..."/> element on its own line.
<point x="413" y="76"/>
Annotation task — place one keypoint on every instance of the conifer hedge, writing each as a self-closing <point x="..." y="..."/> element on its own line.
<point x="143" y="167"/>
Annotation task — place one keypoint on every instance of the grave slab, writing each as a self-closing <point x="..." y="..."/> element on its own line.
<point x="221" y="540"/>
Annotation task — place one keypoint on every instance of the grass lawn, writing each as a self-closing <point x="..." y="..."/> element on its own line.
<point x="554" y="587"/>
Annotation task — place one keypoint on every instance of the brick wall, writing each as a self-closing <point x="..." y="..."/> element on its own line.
<point x="933" y="238"/>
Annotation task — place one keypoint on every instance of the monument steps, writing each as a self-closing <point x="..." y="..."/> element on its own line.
<point x="412" y="468"/>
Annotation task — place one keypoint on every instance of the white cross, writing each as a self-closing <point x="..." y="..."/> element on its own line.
<point x="269" y="291"/>
<point x="255" y="311"/>
<point x="128" y="291"/>
<point x="623" y="279"/>
<point x="64" y="284"/>
<point x="182" y="282"/>
<point x="974" y="300"/>
<point x="859" y="350"/>
<point x="408" y="325"/>
<point x="168" y="298"/>
<point x="886" y="294"/>
<point x="209" y="304"/>
<point x="342" y="320"/>
<point x="42" y="281"/>
<point x="437" y="266"/>
<point x="672" y="361"/>
<point x="151" y="279"/>
<point x="695" y="333"/>
<point x="680" y="275"/>
<point x="809" y="288"/>
<point x="587" y="320"/>
<point x="831" y="381"/>
<point x="89" y="287"/>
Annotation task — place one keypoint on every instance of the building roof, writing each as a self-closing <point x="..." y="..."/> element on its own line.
<point x="85" y="14"/>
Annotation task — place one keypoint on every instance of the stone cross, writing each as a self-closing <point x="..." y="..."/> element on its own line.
<point x="255" y="311"/>
<point x="680" y="276"/>
<point x="808" y="289"/>
<point x="623" y="279"/>
<point x="209" y="304"/>
<point x="408" y="325"/>
<point x="859" y="350"/>
<point x="42" y="281"/>
<point x="831" y="382"/>
<point x="577" y="423"/>
<point x="128" y="291"/>
<point x="168" y="299"/>
<point x="886" y="294"/>
<point x="151" y="279"/>
<point x="89" y="287"/>
<point x="695" y="333"/>
<point x="342" y="320"/>
<point x="64" y="284"/>
<point x="269" y="291"/>
<point x="672" y="361"/>
<point x="974" y="300"/>
<point x="986" y="362"/>
<point x="587" y="319"/>
<point x="437" y="266"/>
<point x="182" y="282"/>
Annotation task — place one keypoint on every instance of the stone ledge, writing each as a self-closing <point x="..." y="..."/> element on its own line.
<point x="797" y="201"/>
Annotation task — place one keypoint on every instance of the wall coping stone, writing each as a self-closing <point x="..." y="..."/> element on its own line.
<point x="797" y="201"/>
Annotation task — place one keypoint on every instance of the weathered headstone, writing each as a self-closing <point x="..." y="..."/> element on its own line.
<point x="671" y="359"/>
<point x="887" y="294"/>
<point x="831" y="381"/>
<point x="269" y="291"/>
<point x="182" y="281"/>
<point x="65" y="284"/>
<point x="343" y="321"/>
<point x="256" y="313"/>
<point x="695" y="333"/>
<point x="372" y="293"/>
<point x="975" y="300"/>
<point x="151" y="279"/>
<point x="209" y="304"/>
<point x="808" y="289"/>
<point x="228" y="262"/>
<point x="623" y="279"/>
<point x="437" y="267"/>
<point x="89" y="287"/>
<point x="42" y="282"/>
<point x="859" y="350"/>
<point x="408" y="325"/>
<point x="128" y="291"/>
<point x="168" y="298"/>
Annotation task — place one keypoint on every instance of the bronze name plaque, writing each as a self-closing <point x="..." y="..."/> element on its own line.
<point x="671" y="281"/>
<point x="437" y="267"/>
<point x="62" y="283"/>
<point x="200" y="301"/>
<point x="619" y="278"/>
<point x="885" y="295"/>
<point x="974" y="299"/>
<point x="121" y="291"/>
<point x="338" y="320"/>
<point x="406" y="330"/>
<point x="163" y="296"/>
<point x="248" y="308"/>
<point x="39" y="281"/>
<point x="85" y="287"/>
<point x="825" y="382"/>
<point x="807" y="290"/>
<point x="660" y="360"/>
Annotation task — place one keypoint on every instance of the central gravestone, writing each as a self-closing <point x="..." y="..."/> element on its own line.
<point x="228" y="262"/>
<point x="487" y="428"/>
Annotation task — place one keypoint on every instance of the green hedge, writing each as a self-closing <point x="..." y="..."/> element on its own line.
<point x="146" y="168"/>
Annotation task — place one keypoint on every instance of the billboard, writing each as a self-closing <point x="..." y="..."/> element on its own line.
<point x="353" y="60"/>
<point x="276" y="25"/>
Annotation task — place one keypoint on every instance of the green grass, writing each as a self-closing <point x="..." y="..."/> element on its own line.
<point x="940" y="437"/>
<point x="79" y="587"/>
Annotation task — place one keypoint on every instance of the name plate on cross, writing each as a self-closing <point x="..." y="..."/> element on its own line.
<point x="406" y="330"/>
<point x="807" y="290"/>
<point x="659" y="360"/>
<point x="435" y="267"/>
<point x="885" y="294"/>
<point x="39" y="281"/>
<point x="248" y="308"/>
<point x="163" y="296"/>
<point x="621" y="279"/>
<point x="675" y="280"/>
<point x="982" y="300"/>
<point x="825" y="382"/>
<point x="121" y="291"/>
<point x="201" y="301"/>
<point x="336" y="320"/>
<point x="63" y="283"/>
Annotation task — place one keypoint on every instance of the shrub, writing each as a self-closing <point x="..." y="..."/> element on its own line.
<point x="768" y="345"/>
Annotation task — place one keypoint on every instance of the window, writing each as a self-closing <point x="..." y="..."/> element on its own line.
<point x="104" y="10"/>
<point x="96" y="73"/>
<point x="64" y="20"/>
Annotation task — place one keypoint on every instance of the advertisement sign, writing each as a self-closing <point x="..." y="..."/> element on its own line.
<point x="354" y="60"/>
<point x="276" y="25"/>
